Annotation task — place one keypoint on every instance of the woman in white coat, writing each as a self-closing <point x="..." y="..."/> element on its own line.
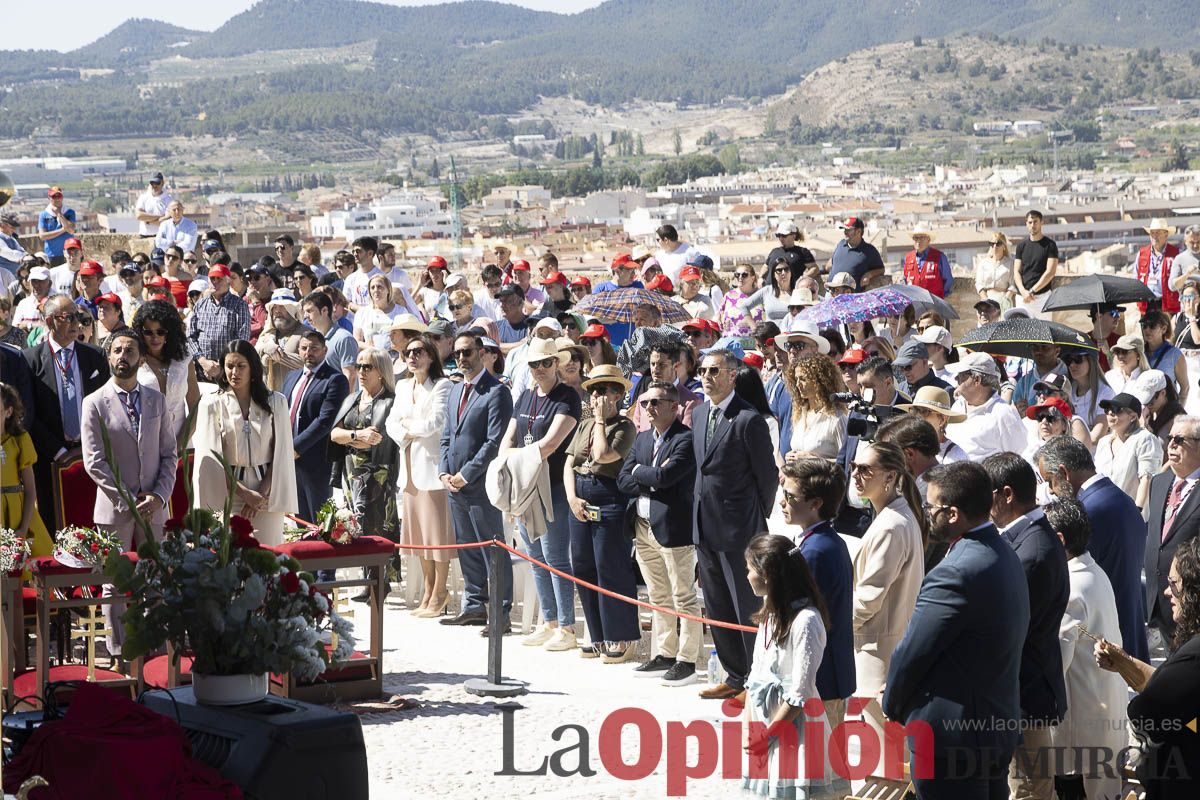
<point x="415" y="425"/>
<point x="1096" y="699"/>
<point x="888" y="568"/>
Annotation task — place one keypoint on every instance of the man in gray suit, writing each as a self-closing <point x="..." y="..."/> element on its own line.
<point x="142" y="442"/>
<point x="477" y="414"/>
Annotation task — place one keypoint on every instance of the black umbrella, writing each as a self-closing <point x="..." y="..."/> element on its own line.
<point x="1013" y="337"/>
<point x="1095" y="289"/>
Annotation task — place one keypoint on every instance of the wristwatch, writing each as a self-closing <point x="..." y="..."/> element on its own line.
<point x="353" y="436"/>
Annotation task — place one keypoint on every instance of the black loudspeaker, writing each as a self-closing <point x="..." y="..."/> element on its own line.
<point x="275" y="749"/>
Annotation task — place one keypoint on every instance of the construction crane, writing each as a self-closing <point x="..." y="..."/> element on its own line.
<point x="455" y="216"/>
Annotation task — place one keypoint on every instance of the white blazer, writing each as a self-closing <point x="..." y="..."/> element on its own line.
<point x="1096" y="699"/>
<point x="415" y="425"/>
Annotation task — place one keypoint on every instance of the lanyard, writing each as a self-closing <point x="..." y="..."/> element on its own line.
<point x="64" y="364"/>
<point x="535" y="409"/>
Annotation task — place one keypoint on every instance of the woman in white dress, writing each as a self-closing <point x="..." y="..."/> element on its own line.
<point x="888" y="568"/>
<point x="818" y="422"/>
<point x="993" y="273"/>
<point x="249" y="426"/>
<point x="783" y="674"/>
<point x="1087" y="388"/>
<point x="371" y="325"/>
<point x="167" y="365"/>
<point x="1129" y="455"/>
<point x="1128" y="361"/>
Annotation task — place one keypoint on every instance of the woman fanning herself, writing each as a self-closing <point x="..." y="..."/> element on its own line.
<point x="783" y="675"/>
<point x="888" y="567"/>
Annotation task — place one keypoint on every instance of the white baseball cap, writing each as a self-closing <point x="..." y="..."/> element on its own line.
<point x="786" y="228"/>
<point x="975" y="362"/>
<point x="936" y="334"/>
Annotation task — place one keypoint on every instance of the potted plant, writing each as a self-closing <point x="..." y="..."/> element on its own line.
<point x="241" y="610"/>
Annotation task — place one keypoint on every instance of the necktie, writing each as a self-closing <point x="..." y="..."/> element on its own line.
<point x="1174" y="500"/>
<point x="70" y="400"/>
<point x="462" y="404"/>
<point x="299" y="396"/>
<point x="712" y="424"/>
<point x="132" y="402"/>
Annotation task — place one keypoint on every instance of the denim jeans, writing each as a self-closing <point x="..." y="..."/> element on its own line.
<point x="556" y="595"/>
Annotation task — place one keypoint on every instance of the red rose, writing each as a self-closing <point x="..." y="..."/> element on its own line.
<point x="240" y="525"/>
<point x="290" y="582"/>
<point x="245" y="541"/>
<point x="94" y="547"/>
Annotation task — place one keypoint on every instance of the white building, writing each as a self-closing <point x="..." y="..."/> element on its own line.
<point x="53" y="171"/>
<point x="400" y="215"/>
<point x="504" y="200"/>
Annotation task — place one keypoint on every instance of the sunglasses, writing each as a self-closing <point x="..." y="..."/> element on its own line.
<point x="605" y="389"/>
<point x="742" y="275"/>
<point x="454" y="307"/>
<point x="171" y="257"/>
<point x="866" y="470"/>
<point x="1074" y="359"/>
<point x="545" y="363"/>
<point x="1047" y="417"/>
<point x="797" y="347"/>
<point x="156" y="333"/>
<point x="791" y="499"/>
<point x="653" y="402"/>
<point x="1177" y="440"/>
<point x="466" y="352"/>
<point x="364" y="367"/>
<point x="710" y="371"/>
<point x="781" y="270"/>
<point x="414" y="352"/>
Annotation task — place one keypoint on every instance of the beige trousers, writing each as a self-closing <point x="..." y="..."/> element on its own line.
<point x="670" y="574"/>
<point x="1033" y="751"/>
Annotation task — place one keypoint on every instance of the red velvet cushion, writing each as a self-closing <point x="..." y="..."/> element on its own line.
<point x="363" y="545"/>
<point x="25" y="683"/>
<point x="154" y="671"/>
<point x="28" y="601"/>
<point x="49" y="565"/>
<point x="346" y="673"/>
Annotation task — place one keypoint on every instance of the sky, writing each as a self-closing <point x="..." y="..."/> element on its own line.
<point x="79" y="22"/>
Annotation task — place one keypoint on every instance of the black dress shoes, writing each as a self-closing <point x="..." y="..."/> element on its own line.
<point x="467" y="618"/>
<point x="505" y="628"/>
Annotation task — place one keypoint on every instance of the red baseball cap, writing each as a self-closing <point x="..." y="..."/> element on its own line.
<point x="219" y="271"/>
<point x="437" y="262"/>
<point x="702" y="324"/>
<point x="621" y="259"/>
<point x="582" y="280"/>
<point x="853" y="222"/>
<point x="689" y="274"/>
<point x="54" y="191"/>
<point x="520" y="265"/>
<point x="554" y="277"/>
<point x="91" y="268"/>
<point x="855" y="355"/>
<point x="661" y="283"/>
<point x="753" y="359"/>
<point x="109" y="297"/>
<point x="595" y="331"/>
<point x="159" y="282"/>
<point x="73" y="244"/>
<point x="1057" y="403"/>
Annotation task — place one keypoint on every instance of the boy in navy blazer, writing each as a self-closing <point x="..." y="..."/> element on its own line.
<point x="813" y="489"/>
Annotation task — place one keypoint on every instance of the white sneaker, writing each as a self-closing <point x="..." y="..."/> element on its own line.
<point x="564" y="639"/>
<point x="542" y="634"/>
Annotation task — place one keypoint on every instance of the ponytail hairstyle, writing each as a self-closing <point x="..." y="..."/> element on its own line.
<point x="790" y="584"/>
<point x="891" y="457"/>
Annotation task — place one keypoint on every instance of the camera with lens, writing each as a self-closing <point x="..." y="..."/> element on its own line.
<point x="870" y="416"/>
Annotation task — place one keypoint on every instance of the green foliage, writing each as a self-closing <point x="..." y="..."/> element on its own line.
<point x="1177" y="161"/>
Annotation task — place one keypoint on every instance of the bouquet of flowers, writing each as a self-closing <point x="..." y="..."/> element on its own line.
<point x="14" y="551"/>
<point x="337" y="525"/>
<point x="210" y="588"/>
<point x="84" y="547"/>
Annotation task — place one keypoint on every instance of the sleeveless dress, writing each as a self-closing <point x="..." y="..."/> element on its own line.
<point x="176" y="388"/>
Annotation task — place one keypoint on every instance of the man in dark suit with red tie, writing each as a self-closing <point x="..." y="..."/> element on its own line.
<point x="314" y="394"/>
<point x="736" y="482"/>
<point x="1174" y="518"/>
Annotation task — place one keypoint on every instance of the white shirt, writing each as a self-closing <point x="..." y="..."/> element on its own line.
<point x="993" y="274"/>
<point x="699" y="307"/>
<point x="1021" y="523"/>
<point x="62" y="279"/>
<point x="148" y="203"/>
<point x="356" y="286"/>
<point x="1126" y="463"/>
<point x="672" y="263"/>
<point x="184" y="234"/>
<point x="643" y="501"/>
<point x="994" y="427"/>
<point x="819" y="432"/>
<point x="26" y="314"/>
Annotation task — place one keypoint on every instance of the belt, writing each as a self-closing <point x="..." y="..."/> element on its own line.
<point x="14" y="489"/>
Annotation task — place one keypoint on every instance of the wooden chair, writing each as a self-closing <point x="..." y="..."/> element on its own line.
<point x="361" y="676"/>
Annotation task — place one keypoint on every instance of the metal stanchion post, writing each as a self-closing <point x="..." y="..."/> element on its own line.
<point x="495" y="684"/>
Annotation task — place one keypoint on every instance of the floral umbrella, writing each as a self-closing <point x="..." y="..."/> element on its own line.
<point x="882" y="302"/>
<point x="618" y="305"/>
<point x="922" y="299"/>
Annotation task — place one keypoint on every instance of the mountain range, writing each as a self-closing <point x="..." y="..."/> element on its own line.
<point x="462" y="66"/>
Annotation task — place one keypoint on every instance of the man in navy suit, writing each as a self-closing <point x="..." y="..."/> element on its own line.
<point x="1043" y="689"/>
<point x="314" y="394"/>
<point x="736" y="481"/>
<point x="658" y="475"/>
<point x="1118" y="541"/>
<point x="1174" y="518"/>
<point x="813" y="489"/>
<point x="957" y="670"/>
<point x="477" y="414"/>
<point x="64" y="371"/>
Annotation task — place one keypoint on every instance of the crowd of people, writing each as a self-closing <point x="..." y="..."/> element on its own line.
<point x="1003" y="511"/>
